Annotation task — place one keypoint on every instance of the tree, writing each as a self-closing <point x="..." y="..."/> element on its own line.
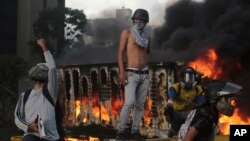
<point x="12" y="68"/>
<point x="48" y="26"/>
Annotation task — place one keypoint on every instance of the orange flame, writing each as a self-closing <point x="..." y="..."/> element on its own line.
<point x="207" y="64"/>
<point x="93" y="139"/>
<point x="89" y="139"/>
<point x="147" y="110"/>
<point x="77" y="104"/>
<point x="101" y="110"/>
<point x="105" y="113"/>
<point x="236" y="118"/>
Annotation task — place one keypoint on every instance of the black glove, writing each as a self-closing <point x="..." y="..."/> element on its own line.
<point x="169" y="110"/>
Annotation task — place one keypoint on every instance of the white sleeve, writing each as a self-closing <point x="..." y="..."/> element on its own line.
<point x="20" y="115"/>
<point x="52" y="75"/>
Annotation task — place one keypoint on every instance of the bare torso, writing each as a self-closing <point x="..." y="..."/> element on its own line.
<point x="137" y="57"/>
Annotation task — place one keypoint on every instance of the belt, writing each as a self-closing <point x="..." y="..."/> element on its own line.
<point x="138" y="71"/>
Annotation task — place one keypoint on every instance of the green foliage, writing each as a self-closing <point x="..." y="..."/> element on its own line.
<point x="11" y="70"/>
<point x="75" y="21"/>
<point x="60" y="26"/>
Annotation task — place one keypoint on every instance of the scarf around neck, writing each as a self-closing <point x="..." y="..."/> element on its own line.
<point x="140" y="37"/>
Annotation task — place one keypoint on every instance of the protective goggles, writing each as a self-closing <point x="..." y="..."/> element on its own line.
<point x="189" y="78"/>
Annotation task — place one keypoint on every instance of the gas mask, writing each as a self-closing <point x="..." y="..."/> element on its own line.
<point x="188" y="81"/>
<point x="139" y="26"/>
<point x="220" y="94"/>
<point x="224" y="106"/>
<point x="226" y="94"/>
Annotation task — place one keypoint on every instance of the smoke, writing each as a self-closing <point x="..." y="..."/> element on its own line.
<point x="190" y="28"/>
<point x="99" y="45"/>
<point x="88" y="55"/>
<point x="98" y="8"/>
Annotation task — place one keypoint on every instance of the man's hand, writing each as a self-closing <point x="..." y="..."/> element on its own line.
<point x="123" y="78"/>
<point x="189" y="101"/>
<point x="42" y="43"/>
<point x="33" y="126"/>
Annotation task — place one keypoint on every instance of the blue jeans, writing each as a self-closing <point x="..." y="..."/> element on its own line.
<point x="135" y="96"/>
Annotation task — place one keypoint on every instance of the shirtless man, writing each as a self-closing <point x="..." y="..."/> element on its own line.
<point x="135" y="43"/>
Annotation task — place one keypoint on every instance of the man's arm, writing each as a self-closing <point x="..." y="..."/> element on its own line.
<point x="121" y="51"/>
<point x="19" y="115"/>
<point x="201" y="123"/>
<point x="52" y="74"/>
<point x="191" y="134"/>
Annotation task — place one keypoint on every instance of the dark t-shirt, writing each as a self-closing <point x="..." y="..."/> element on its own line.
<point x="204" y="122"/>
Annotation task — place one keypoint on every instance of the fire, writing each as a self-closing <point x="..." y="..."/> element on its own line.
<point x="225" y="121"/>
<point x="105" y="112"/>
<point x="89" y="139"/>
<point x="77" y="104"/>
<point x="102" y="111"/>
<point x="116" y="106"/>
<point x="93" y="139"/>
<point x="208" y="64"/>
<point x="147" y="110"/>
